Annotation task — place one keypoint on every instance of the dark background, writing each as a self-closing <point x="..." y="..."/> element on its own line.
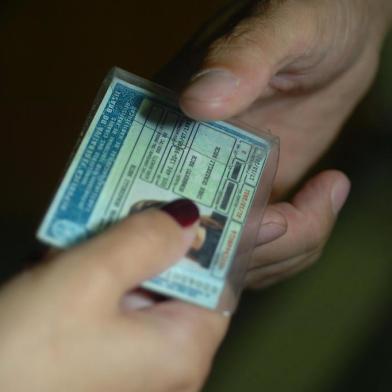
<point x="327" y="329"/>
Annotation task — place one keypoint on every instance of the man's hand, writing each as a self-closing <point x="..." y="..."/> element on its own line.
<point x="297" y="67"/>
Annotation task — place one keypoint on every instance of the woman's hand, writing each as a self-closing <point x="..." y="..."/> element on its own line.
<point x="297" y="67"/>
<point x="66" y="325"/>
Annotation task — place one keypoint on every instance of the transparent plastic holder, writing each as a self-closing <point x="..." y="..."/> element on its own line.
<point x="138" y="151"/>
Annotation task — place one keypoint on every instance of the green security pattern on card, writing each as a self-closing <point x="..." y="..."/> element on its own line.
<point x="140" y="151"/>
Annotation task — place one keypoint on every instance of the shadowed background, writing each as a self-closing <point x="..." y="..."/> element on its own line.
<point x="327" y="329"/>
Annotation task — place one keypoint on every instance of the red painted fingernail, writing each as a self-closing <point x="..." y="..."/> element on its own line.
<point x="183" y="211"/>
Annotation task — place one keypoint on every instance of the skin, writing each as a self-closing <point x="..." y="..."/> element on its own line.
<point x="297" y="67"/>
<point x="66" y="325"/>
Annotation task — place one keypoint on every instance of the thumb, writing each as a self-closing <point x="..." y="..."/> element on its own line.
<point x="139" y="247"/>
<point x="239" y="66"/>
<point x="310" y="218"/>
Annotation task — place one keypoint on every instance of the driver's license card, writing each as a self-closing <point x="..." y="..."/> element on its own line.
<point x="139" y="151"/>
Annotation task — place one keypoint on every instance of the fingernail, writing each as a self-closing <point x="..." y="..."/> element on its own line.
<point x="212" y="85"/>
<point x="273" y="226"/>
<point x="183" y="211"/>
<point x="136" y="301"/>
<point x="339" y="194"/>
<point x="270" y="232"/>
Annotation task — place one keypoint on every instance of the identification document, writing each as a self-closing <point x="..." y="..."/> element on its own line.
<point x="139" y="151"/>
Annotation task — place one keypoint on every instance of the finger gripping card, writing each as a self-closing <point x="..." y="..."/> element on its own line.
<point x="140" y="151"/>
